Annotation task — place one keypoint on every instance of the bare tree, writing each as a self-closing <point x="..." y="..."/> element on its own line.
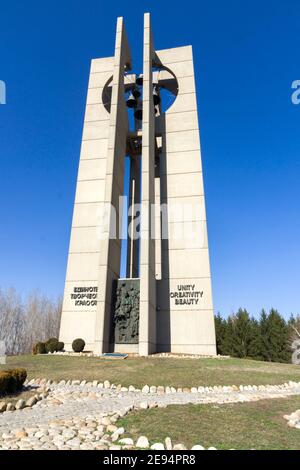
<point x="22" y="324"/>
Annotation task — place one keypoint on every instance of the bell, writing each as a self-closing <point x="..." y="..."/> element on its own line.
<point x="136" y="93"/>
<point x="138" y="113"/>
<point x="156" y="97"/>
<point x="139" y="80"/>
<point x="131" y="102"/>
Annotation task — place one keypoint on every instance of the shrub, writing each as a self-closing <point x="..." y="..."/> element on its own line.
<point x="78" y="345"/>
<point x="60" y="346"/>
<point x="39" y="348"/>
<point x="12" y="380"/>
<point x="18" y="377"/>
<point x="51" y="345"/>
<point x="4" y="381"/>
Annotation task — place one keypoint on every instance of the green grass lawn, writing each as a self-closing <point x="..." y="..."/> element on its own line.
<point x="255" y="425"/>
<point x="160" y="371"/>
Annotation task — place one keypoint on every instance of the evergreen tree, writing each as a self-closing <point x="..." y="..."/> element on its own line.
<point x="220" y="325"/>
<point x="268" y="339"/>
<point x="264" y="353"/>
<point x="244" y="335"/>
<point x="274" y="337"/>
<point x="227" y="344"/>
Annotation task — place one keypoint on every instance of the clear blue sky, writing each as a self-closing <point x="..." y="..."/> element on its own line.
<point x="246" y="56"/>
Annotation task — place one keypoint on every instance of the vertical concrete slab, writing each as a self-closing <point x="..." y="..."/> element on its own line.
<point x="110" y="246"/>
<point x="185" y="320"/>
<point x="147" y="328"/>
<point x="80" y="293"/>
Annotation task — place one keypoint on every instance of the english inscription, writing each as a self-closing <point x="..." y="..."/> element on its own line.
<point x="186" y="294"/>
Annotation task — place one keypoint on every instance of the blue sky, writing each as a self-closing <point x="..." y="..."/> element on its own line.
<point x="246" y="57"/>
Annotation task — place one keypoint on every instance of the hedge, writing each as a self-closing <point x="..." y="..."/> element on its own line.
<point x="52" y="345"/>
<point x="12" y="380"/>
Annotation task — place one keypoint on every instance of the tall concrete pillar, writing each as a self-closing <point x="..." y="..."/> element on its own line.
<point x="110" y="246"/>
<point x="147" y="329"/>
<point x="184" y="297"/>
<point x="81" y="287"/>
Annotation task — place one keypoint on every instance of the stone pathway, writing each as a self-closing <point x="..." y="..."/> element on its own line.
<point x="73" y="416"/>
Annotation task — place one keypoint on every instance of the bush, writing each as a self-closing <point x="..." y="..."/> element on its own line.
<point x="78" y="345"/>
<point x="39" y="348"/>
<point x="4" y="381"/>
<point x="18" y="377"/>
<point x="12" y="380"/>
<point x="60" y="346"/>
<point x="51" y="345"/>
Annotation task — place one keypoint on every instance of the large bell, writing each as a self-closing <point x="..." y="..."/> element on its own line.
<point x="131" y="102"/>
<point x="136" y="92"/>
<point x="138" y="113"/>
<point x="156" y="97"/>
<point x="139" y="80"/>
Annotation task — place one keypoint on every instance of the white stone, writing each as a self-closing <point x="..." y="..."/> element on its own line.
<point x="20" y="404"/>
<point x="74" y="442"/>
<point x="179" y="447"/>
<point x="146" y="389"/>
<point x="105" y="421"/>
<point x="168" y="443"/>
<point x="157" y="446"/>
<point x="120" y="431"/>
<point x="197" y="447"/>
<point x="144" y="405"/>
<point x="142" y="443"/>
<point x="126" y="441"/>
<point x="31" y="401"/>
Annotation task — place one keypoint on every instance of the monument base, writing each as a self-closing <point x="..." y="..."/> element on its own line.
<point x="126" y="348"/>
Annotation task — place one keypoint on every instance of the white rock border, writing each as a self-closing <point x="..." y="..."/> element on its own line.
<point x="21" y="403"/>
<point x="161" y="389"/>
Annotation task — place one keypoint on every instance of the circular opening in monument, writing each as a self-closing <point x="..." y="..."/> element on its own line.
<point x="165" y="85"/>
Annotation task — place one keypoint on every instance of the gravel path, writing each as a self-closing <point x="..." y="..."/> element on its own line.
<point x="84" y="416"/>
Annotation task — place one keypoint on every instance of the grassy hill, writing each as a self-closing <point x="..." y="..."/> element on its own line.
<point x="156" y="371"/>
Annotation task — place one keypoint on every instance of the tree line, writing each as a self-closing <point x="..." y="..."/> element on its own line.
<point x="23" y="323"/>
<point x="268" y="338"/>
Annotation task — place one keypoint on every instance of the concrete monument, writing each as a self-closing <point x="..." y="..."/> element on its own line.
<point x="164" y="301"/>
